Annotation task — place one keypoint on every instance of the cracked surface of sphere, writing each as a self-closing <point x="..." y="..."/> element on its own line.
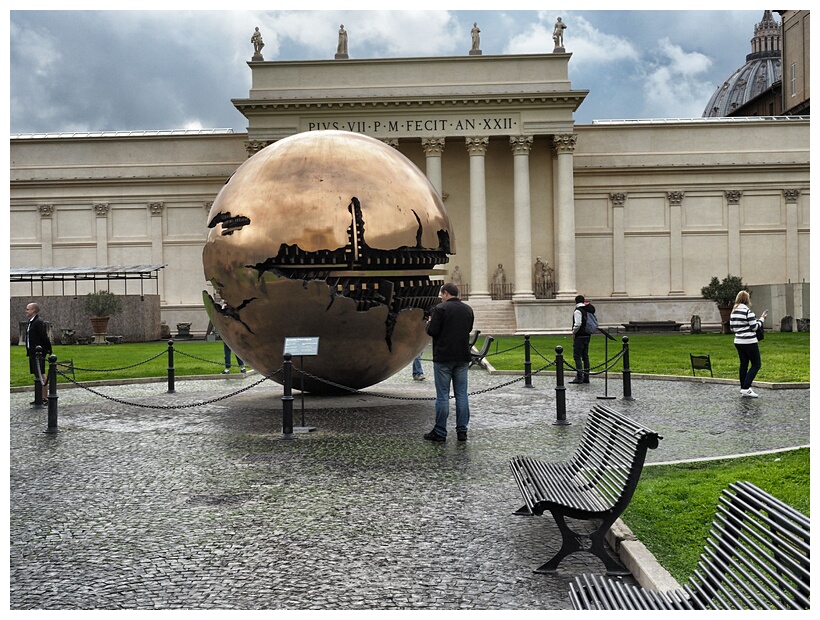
<point x="330" y="235"/>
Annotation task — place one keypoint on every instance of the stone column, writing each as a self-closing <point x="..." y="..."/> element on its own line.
<point x="521" y="146"/>
<point x="155" y="230"/>
<point x="563" y="147"/>
<point x="101" y="211"/>
<point x="733" y="226"/>
<point x="618" y="200"/>
<point x="46" y="242"/>
<point x="433" y="149"/>
<point x="675" y="243"/>
<point x="792" y="251"/>
<point x="479" y="284"/>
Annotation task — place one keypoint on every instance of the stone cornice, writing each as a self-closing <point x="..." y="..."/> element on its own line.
<point x="572" y="99"/>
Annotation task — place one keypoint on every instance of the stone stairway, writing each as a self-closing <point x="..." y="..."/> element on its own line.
<point x="493" y="318"/>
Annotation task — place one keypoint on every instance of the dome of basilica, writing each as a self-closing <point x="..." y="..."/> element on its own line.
<point x="761" y="71"/>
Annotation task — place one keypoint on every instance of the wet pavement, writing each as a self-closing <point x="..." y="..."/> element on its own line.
<point x="142" y="501"/>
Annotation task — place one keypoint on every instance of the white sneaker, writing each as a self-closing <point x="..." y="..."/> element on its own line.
<point x="242" y="369"/>
<point x="749" y="393"/>
<point x="227" y="371"/>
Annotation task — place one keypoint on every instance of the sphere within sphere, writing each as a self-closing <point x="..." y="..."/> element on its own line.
<point x="330" y="235"/>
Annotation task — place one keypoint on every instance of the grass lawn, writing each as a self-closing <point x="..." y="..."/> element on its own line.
<point x="127" y="361"/>
<point x="784" y="355"/>
<point x="673" y="506"/>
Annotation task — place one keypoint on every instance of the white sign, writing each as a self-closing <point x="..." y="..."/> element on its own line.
<point x="302" y="346"/>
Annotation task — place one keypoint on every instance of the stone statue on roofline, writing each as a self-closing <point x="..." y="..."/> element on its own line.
<point x="258" y="44"/>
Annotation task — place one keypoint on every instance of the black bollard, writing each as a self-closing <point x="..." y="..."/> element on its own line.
<point x="560" y="389"/>
<point x="39" y="391"/>
<point x="171" y="388"/>
<point x="527" y="363"/>
<point x="287" y="399"/>
<point x="52" y="395"/>
<point x="627" y="371"/>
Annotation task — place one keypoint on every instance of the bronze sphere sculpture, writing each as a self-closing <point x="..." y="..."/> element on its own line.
<point x="326" y="234"/>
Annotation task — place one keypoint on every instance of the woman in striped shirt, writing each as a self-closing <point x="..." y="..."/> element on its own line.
<point x="744" y="325"/>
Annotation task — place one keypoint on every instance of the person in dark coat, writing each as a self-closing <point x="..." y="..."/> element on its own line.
<point x="450" y="325"/>
<point x="37" y="336"/>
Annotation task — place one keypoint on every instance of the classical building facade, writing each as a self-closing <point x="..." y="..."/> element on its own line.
<point x="636" y="215"/>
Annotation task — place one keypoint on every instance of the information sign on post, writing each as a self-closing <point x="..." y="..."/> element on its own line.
<point x="302" y="347"/>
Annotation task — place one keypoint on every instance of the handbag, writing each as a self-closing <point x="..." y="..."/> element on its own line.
<point x="759" y="332"/>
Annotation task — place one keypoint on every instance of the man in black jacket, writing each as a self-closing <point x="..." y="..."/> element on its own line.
<point x="580" y="340"/>
<point x="450" y="325"/>
<point x="37" y="336"/>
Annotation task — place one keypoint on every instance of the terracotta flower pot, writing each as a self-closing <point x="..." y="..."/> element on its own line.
<point x="99" y="325"/>
<point x="725" y="314"/>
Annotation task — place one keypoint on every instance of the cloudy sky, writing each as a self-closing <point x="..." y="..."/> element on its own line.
<point x="87" y="70"/>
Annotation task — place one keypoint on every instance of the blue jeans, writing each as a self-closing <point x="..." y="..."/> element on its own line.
<point x="749" y="354"/>
<point x="455" y="373"/>
<point x="417" y="369"/>
<point x="228" y="356"/>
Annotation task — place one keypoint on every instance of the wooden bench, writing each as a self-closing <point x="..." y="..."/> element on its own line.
<point x="597" y="483"/>
<point x="756" y="557"/>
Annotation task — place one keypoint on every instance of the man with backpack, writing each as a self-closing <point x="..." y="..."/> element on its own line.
<point x="584" y="324"/>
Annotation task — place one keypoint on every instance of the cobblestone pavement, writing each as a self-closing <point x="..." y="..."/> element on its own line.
<point x="137" y="505"/>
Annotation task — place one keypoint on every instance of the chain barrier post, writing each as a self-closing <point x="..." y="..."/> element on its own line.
<point x="287" y="398"/>
<point x="560" y="389"/>
<point x="52" y="395"/>
<point x="171" y="389"/>
<point x="527" y="363"/>
<point x="627" y="371"/>
<point x="38" y="377"/>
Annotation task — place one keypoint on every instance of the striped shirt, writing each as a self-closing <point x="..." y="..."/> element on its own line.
<point x="744" y="324"/>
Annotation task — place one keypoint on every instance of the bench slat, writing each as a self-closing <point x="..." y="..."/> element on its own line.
<point x="757" y="556"/>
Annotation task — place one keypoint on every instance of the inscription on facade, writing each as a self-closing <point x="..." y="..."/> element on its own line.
<point x="418" y="126"/>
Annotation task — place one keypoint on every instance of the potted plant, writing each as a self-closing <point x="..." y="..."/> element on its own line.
<point x="100" y="306"/>
<point x="723" y="293"/>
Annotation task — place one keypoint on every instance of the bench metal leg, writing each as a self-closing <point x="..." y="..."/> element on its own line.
<point x="592" y="543"/>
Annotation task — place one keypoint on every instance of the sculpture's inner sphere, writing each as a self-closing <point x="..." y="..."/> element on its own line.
<point x="333" y="235"/>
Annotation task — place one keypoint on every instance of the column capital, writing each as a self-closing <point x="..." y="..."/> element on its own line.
<point x="156" y="207"/>
<point x="101" y="209"/>
<point x="394" y="142"/>
<point x="733" y="196"/>
<point x="477" y="146"/>
<point x="618" y="199"/>
<point x="252" y="147"/>
<point x="791" y="195"/>
<point x="675" y="198"/>
<point x="521" y="145"/>
<point x="564" y="143"/>
<point x="433" y="147"/>
<point x="45" y="209"/>
<point x="208" y="204"/>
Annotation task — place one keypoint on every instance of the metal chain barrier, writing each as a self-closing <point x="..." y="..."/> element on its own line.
<point x="427" y="398"/>
<point x="526" y="377"/>
<point x="200" y="359"/>
<point x="188" y="406"/>
<point x="113" y="369"/>
<point x="606" y="366"/>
